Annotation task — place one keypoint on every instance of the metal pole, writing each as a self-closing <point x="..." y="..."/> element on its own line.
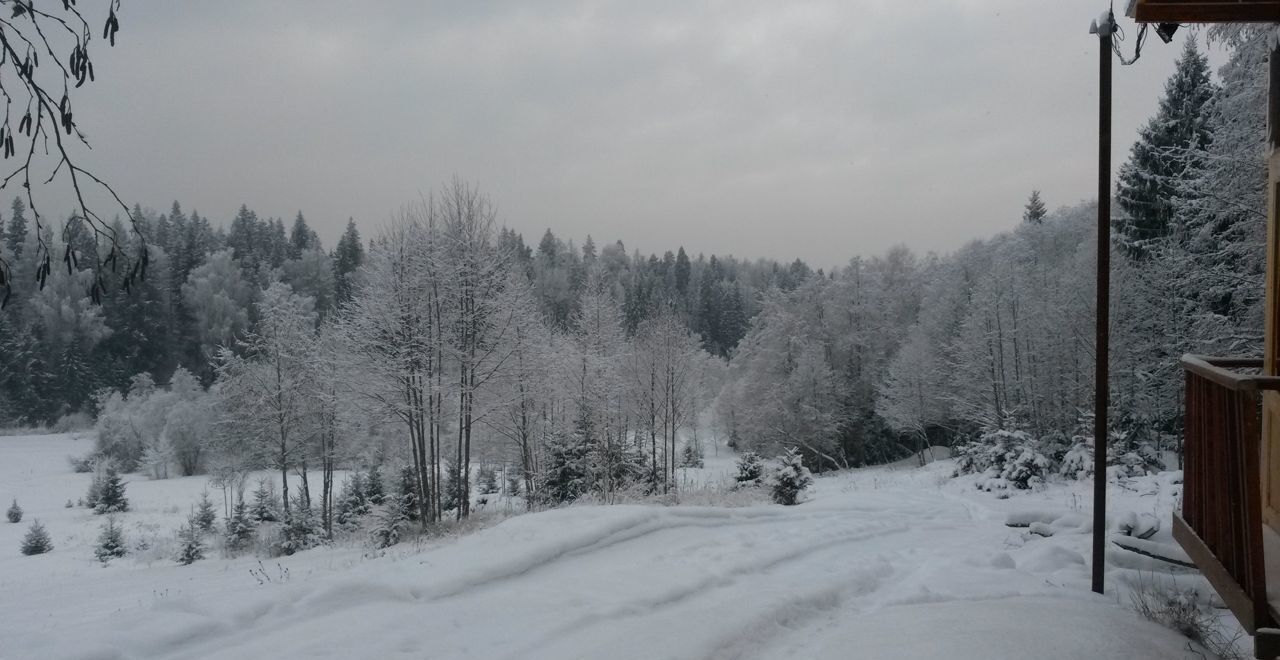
<point x="1103" y="309"/>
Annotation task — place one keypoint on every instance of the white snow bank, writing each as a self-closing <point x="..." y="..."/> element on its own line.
<point x="1020" y="627"/>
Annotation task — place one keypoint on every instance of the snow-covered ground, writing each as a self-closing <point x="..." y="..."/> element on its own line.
<point x="880" y="563"/>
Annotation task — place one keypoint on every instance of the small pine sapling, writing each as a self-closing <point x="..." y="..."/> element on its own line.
<point x="110" y="496"/>
<point x="110" y="542"/>
<point x="206" y="515"/>
<point x="488" y="478"/>
<point x="691" y="456"/>
<point x="301" y="529"/>
<point x="407" y="490"/>
<point x="192" y="543"/>
<point x="750" y="469"/>
<point x="240" y="528"/>
<point x="373" y="488"/>
<point x="449" y="498"/>
<point x="37" y="541"/>
<point x="264" y="503"/>
<point x="392" y="523"/>
<point x="352" y="502"/>
<point x="14" y="514"/>
<point x="790" y="478"/>
<point x="513" y="484"/>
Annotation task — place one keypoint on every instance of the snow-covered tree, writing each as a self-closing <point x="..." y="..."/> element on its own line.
<point x="110" y="493"/>
<point x="790" y="478"/>
<point x="265" y="385"/>
<point x="240" y="528"/>
<point x="205" y="516"/>
<point x="218" y="299"/>
<point x="36" y="541"/>
<point x="110" y="543"/>
<point x="190" y="543"/>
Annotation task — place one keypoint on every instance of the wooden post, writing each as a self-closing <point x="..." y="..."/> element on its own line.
<point x="1103" y="305"/>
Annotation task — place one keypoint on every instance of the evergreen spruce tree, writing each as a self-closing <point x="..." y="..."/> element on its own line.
<point x="568" y="470"/>
<point x="37" y="541"/>
<point x="352" y="501"/>
<point x="14" y="513"/>
<point x="449" y="498"/>
<point x="691" y="457"/>
<point x="750" y="469"/>
<point x="264" y="503"/>
<point x="790" y="478"/>
<point x="301" y="237"/>
<point x="374" y="491"/>
<point x="514" y="482"/>
<point x="110" y="496"/>
<point x="240" y="528"/>
<point x="206" y="515"/>
<point x="191" y="543"/>
<point x="391" y="526"/>
<point x="1035" y="211"/>
<point x="15" y="234"/>
<point x="110" y="542"/>
<point x="302" y="529"/>
<point x="1168" y="151"/>
<point x="407" y="493"/>
<point x="348" y="256"/>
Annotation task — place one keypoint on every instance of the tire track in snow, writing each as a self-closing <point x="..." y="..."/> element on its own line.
<point x="704" y="588"/>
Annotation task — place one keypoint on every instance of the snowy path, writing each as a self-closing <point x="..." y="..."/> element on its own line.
<point x="881" y="570"/>
<point x="877" y="564"/>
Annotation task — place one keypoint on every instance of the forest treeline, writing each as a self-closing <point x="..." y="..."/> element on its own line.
<point x="992" y="346"/>
<point x="446" y="341"/>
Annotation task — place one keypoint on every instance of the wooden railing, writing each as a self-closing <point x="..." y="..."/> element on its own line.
<point x="1220" y="525"/>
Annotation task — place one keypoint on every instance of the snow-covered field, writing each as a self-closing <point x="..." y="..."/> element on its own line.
<point x="880" y="563"/>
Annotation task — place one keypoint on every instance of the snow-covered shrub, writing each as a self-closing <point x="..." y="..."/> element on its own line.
<point x="153" y="428"/>
<point x="790" y="478"/>
<point x="111" y="543"/>
<point x="691" y="457"/>
<point x="568" y="471"/>
<point x="352" y="503"/>
<point x="301" y="530"/>
<point x="240" y="528"/>
<point x="109" y="496"/>
<point x="1055" y="445"/>
<point x="188" y="422"/>
<point x="14" y="513"/>
<point x="191" y="543"/>
<point x="1027" y="469"/>
<point x="83" y="464"/>
<point x="1005" y="459"/>
<point x="37" y="541"/>
<point x="392" y="524"/>
<point x="1183" y="611"/>
<point x="205" y="516"/>
<point x="1077" y="463"/>
<point x="750" y="469"/>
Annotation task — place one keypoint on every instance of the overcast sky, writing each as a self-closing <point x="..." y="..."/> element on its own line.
<point x="820" y="130"/>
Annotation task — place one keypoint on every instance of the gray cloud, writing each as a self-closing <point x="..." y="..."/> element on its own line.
<point x="821" y="130"/>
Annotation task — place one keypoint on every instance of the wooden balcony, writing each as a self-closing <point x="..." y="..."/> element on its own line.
<point x="1221" y="522"/>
